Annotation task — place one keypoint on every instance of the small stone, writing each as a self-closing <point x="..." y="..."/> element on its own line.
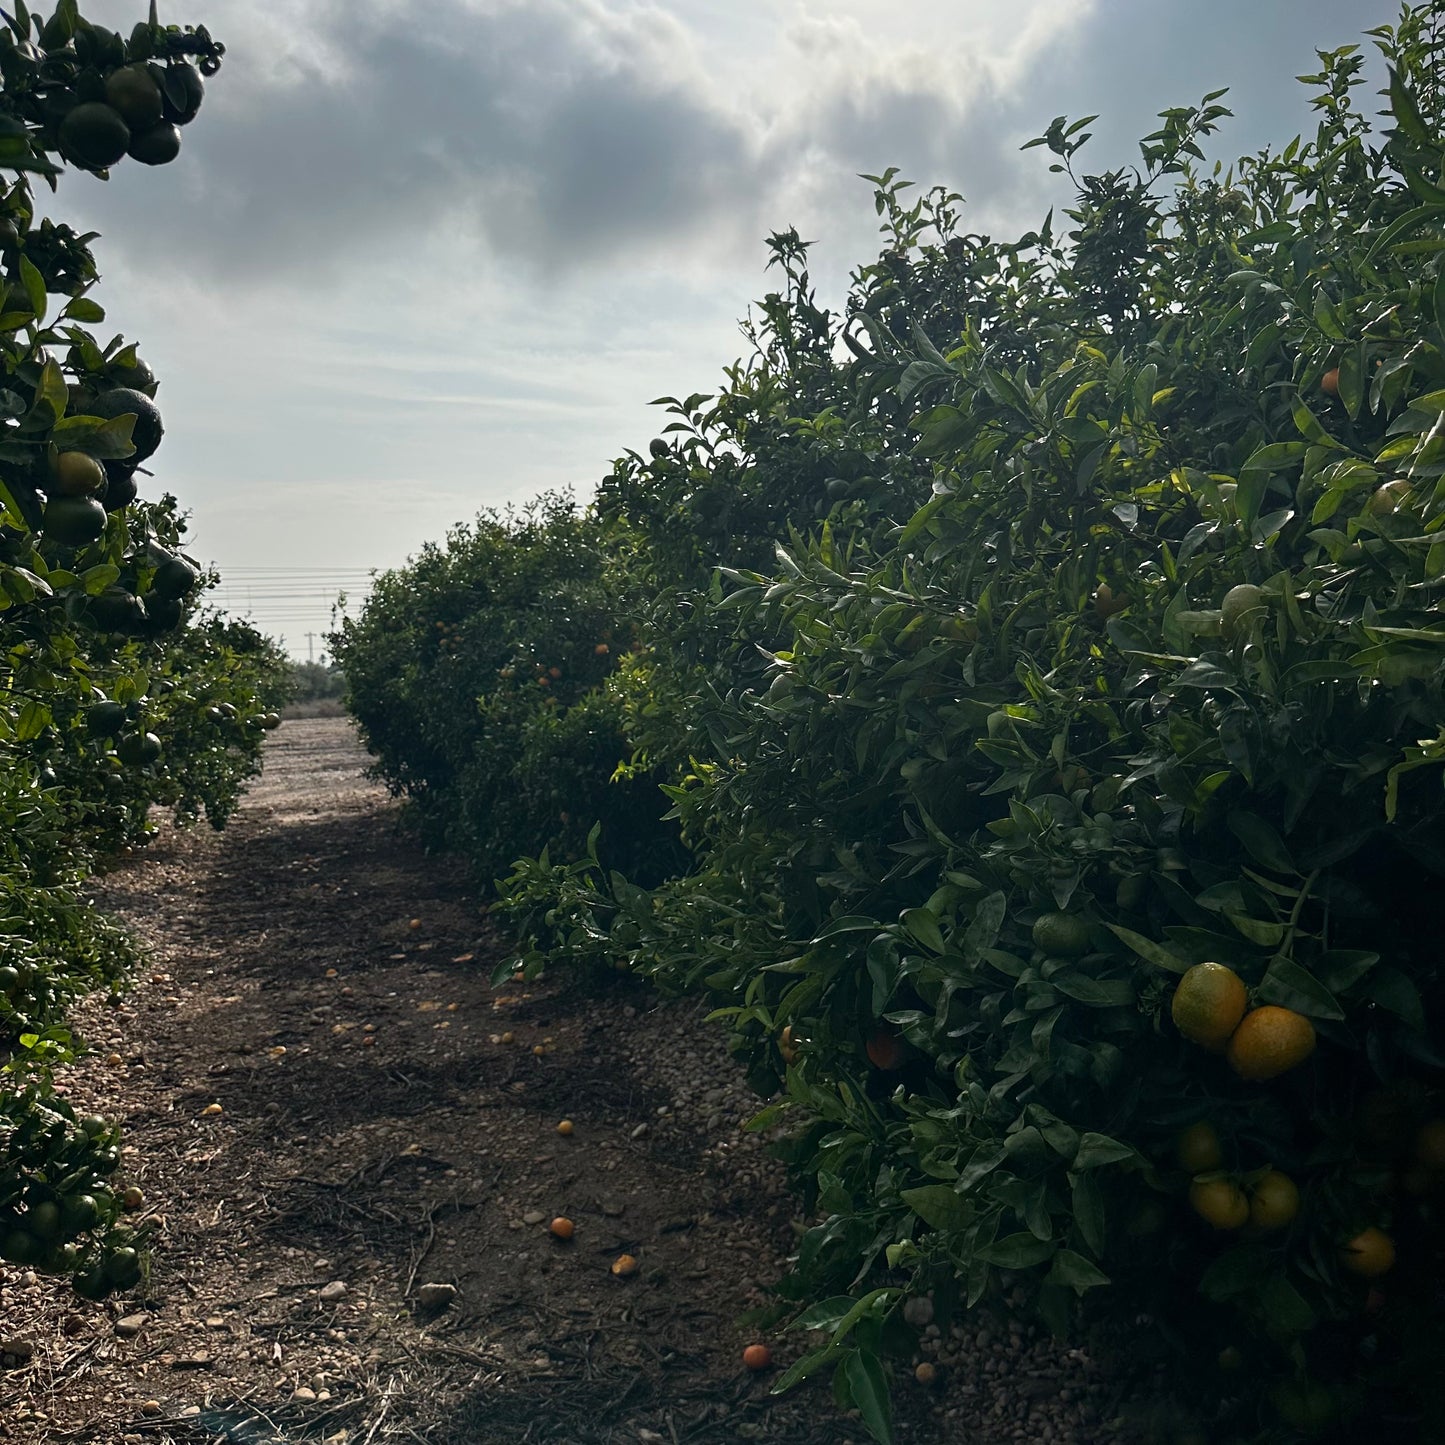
<point x="435" y="1296"/>
<point x="216" y="1322"/>
<point x="612" y="1208"/>
<point x="128" y="1326"/>
<point x="639" y="1131"/>
<point x="303" y="1395"/>
<point x="533" y="1216"/>
<point x="191" y="1411"/>
<point x="330" y="1293"/>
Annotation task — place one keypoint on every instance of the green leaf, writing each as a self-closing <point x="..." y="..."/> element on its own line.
<point x="826" y="1314"/>
<point x="1285" y="1309"/>
<point x="33" y="720"/>
<point x="1406" y="110"/>
<point x="83" y="309"/>
<point x="810" y="1364"/>
<point x="924" y="927"/>
<point x="1287" y="984"/>
<point x="1149" y="951"/>
<point x="1096" y="992"/>
<point x="868" y="1390"/>
<point x="1016" y="1251"/>
<point x="1260" y="841"/>
<point x="1075" y="1272"/>
<point x="1088" y="1203"/>
<point x="1231" y="1274"/>
<point x="34" y="284"/>
<point x="938" y="1206"/>
<point x="1097" y="1150"/>
<point x="1393" y="990"/>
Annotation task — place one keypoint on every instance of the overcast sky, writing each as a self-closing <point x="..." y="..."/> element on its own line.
<point x="418" y="259"/>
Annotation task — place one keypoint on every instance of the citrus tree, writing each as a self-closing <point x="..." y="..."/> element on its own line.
<point x="475" y="674"/>
<point x="1059" y="747"/>
<point x="118" y="689"/>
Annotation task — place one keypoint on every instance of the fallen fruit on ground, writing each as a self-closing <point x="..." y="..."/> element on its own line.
<point x="757" y="1357"/>
<point x="925" y="1373"/>
<point x="1208" y="1004"/>
<point x="562" y="1227"/>
<point x="624" y="1266"/>
<point x="565" y="1127"/>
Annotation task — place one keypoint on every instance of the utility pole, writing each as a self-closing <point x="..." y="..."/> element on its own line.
<point x="310" y="650"/>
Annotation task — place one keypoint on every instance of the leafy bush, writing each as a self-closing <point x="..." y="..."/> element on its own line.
<point x="474" y="674"/>
<point x="1102" y="641"/>
<point x="118" y="691"/>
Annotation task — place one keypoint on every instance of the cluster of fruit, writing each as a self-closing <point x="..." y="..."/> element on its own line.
<point x="97" y="97"/>
<point x="58" y="1211"/>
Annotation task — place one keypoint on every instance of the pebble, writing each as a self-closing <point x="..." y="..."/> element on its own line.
<point x="330" y="1293"/>
<point x="533" y="1216"/>
<point x="128" y="1326"/>
<point x="304" y="1395"/>
<point x="435" y="1296"/>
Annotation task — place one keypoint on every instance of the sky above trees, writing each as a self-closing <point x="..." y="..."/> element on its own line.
<point x="420" y="259"/>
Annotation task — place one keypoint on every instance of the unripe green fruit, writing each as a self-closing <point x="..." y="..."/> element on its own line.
<point x="75" y="474"/>
<point x="1238" y="603"/>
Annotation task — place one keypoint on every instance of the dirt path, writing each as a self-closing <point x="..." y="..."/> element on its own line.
<point x="387" y="1121"/>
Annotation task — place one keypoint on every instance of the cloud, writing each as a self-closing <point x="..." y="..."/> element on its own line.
<point x="558" y="136"/>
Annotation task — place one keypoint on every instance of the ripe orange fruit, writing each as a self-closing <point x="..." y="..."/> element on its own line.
<point x="1219" y="1202"/>
<point x="1430" y="1145"/>
<point x="1208" y="1005"/>
<point x="601" y="650"/>
<point x="1270" y="1041"/>
<point x="508" y="1037"/>
<point x="1274" y="1201"/>
<point x="885" y="1049"/>
<point x="925" y="1373"/>
<point x="788" y="1045"/>
<point x="414" y="924"/>
<point x="624" y="1266"/>
<point x="1369" y="1254"/>
<point x="1330" y="382"/>
<point x="757" y="1357"/>
<point x="562" y="1227"/>
<point x="1198" y="1149"/>
<point x="565" y="1127"/>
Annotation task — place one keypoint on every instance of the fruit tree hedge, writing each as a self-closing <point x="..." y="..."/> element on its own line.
<point x="1044" y="658"/>
<point x="119" y="690"/>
